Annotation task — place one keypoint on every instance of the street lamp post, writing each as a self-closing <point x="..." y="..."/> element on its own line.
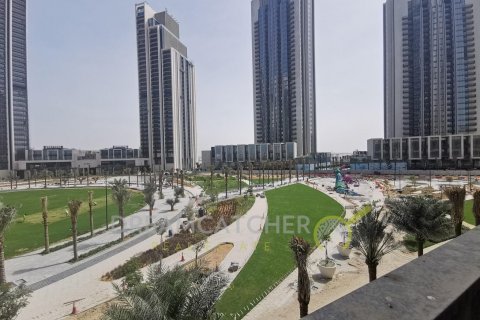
<point x="106" y="200"/>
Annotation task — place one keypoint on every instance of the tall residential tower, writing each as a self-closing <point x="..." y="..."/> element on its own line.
<point x="431" y="67"/>
<point x="14" y="135"/>
<point x="166" y="91"/>
<point x="284" y="72"/>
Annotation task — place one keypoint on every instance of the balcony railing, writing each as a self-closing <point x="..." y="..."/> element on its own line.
<point x="443" y="284"/>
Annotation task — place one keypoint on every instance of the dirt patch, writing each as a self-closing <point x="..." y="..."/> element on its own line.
<point x="212" y="259"/>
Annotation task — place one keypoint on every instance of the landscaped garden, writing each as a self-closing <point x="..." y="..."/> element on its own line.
<point x="218" y="183"/>
<point x="272" y="258"/>
<point x="222" y="214"/>
<point x="26" y="233"/>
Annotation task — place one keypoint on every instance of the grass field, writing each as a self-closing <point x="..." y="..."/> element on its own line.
<point x="272" y="258"/>
<point x="469" y="218"/>
<point x="26" y="233"/>
<point x="219" y="184"/>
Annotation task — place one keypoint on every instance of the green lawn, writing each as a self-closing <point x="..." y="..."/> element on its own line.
<point x="272" y="258"/>
<point x="219" y="184"/>
<point x="26" y="233"/>
<point x="468" y="212"/>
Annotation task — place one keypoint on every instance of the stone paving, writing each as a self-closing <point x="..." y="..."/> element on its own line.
<point x="37" y="270"/>
<point x="86" y="284"/>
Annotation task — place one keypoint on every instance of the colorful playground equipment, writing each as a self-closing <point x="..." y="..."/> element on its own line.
<point x="341" y="184"/>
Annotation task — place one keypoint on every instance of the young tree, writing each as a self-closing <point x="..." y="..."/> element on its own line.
<point x="74" y="208"/>
<point x="161" y="175"/>
<point x="91" y="204"/>
<point x="212" y="172"/>
<point x="369" y="235"/>
<point x="424" y="218"/>
<point x="12" y="300"/>
<point x="149" y="197"/>
<point x="301" y="249"/>
<point x="197" y="248"/>
<point x="162" y="226"/>
<point x="121" y="195"/>
<point x="456" y="195"/>
<point x="172" y="203"/>
<point x="226" y="171"/>
<point x="44" y="202"/>
<point x="7" y="214"/>
<point x="476" y="207"/>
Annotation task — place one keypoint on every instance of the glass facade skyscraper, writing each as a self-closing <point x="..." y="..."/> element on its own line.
<point x="432" y="67"/>
<point x="14" y="129"/>
<point x="166" y="92"/>
<point x="283" y="41"/>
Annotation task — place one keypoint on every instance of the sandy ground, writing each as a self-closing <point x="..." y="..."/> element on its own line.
<point x="209" y="260"/>
<point x="342" y="284"/>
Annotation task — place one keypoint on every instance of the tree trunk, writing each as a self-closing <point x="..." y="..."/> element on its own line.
<point x="91" y="221"/>
<point x="477" y="220"/>
<point x="303" y="309"/>
<point x="74" y="236"/>
<point x="458" y="229"/>
<point x="3" y="278"/>
<point x="151" y="211"/>
<point x="45" y="235"/>
<point x="372" y="272"/>
<point x="122" y="233"/>
<point x="420" y="244"/>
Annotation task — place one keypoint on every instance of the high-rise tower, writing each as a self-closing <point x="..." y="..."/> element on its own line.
<point x="431" y="67"/>
<point x="166" y="91"/>
<point x="14" y="132"/>
<point x="284" y="72"/>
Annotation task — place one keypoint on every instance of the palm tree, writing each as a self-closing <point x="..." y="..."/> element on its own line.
<point x="181" y="178"/>
<point x="263" y="175"/>
<point x="301" y="249"/>
<point x="226" y="171"/>
<point x="476" y="207"/>
<point x="44" y="202"/>
<point x="290" y="171"/>
<point x="296" y="169"/>
<point x="177" y="293"/>
<point x="74" y="208"/>
<point x="212" y="172"/>
<point x="128" y="171"/>
<point x="7" y="214"/>
<point x="161" y="175"/>
<point x="240" y="172"/>
<point x="456" y="195"/>
<point x="91" y="204"/>
<point x="121" y="195"/>
<point x="425" y="218"/>
<point x="149" y="197"/>
<point x="369" y="235"/>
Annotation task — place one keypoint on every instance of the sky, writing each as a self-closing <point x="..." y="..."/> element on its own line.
<point x="83" y="84"/>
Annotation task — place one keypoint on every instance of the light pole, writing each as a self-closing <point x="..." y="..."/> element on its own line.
<point x="106" y="200"/>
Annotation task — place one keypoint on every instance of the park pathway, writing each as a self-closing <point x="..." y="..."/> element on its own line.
<point x="37" y="270"/>
<point x="85" y="284"/>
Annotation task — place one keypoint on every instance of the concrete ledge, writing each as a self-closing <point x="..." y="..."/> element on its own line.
<point x="443" y="284"/>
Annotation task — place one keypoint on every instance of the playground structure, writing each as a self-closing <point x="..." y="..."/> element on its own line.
<point x="341" y="184"/>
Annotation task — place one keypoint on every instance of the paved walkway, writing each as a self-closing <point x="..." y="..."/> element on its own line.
<point x="36" y="270"/>
<point x="286" y="292"/>
<point x="244" y="234"/>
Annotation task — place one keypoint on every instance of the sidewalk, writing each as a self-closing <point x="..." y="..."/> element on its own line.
<point x="244" y="234"/>
<point x="34" y="268"/>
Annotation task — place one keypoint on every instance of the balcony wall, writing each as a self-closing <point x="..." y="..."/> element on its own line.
<point x="443" y="284"/>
